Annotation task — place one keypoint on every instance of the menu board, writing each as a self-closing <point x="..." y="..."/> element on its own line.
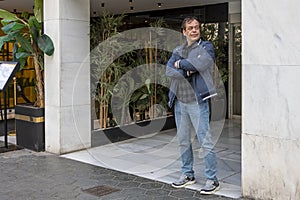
<point x="7" y="72"/>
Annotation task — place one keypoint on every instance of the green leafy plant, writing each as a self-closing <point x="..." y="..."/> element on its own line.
<point x="107" y="81"/>
<point x="106" y="73"/>
<point x="29" y="40"/>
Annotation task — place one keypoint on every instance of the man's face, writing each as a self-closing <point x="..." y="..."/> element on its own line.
<point x="192" y="31"/>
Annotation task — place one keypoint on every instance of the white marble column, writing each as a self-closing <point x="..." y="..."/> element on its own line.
<point x="271" y="99"/>
<point x="67" y="76"/>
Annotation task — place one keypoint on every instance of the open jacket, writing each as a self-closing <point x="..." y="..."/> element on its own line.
<point x="200" y="61"/>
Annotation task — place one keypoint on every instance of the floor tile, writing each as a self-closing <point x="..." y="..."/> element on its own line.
<point x="157" y="158"/>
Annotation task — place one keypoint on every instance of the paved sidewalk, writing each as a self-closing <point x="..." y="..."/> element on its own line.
<point x="156" y="157"/>
<point x="28" y="175"/>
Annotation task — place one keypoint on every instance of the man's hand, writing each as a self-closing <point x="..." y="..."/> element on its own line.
<point x="190" y="73"/>
<point x="176" y="64"/>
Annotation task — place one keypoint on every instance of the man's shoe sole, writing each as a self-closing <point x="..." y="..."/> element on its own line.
<point x="184" y="185"/>
<point x="210" y="192"/>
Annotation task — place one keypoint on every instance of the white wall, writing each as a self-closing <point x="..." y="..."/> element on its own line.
<point x="67" y="76"/>
<point x="271" y="99"/>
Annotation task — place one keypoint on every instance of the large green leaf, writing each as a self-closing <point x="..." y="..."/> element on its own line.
<point x="38" y="10"/>
<point x="22" y="61"/>
<point x="25" y="43"/>
<point x="4" y="14"/>
<point x="4" y="22"/>
<point x="45" y="44"/>
<point x="6" y="38"/>
<point x="35" y="27"/>
<point x="33" y="21"/>
<point x="14" y="26"/>
<point x="35" y="33"/>
<point x="20" y="55"/>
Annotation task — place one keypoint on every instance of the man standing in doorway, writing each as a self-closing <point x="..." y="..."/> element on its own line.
<point x="190" y="68"/>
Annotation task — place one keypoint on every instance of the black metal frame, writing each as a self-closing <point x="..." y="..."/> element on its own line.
<point x="6" y="80"/>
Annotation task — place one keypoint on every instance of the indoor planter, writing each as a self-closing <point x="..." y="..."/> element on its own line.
<point x="128" y="131"/>
<point x="29" y="42"/>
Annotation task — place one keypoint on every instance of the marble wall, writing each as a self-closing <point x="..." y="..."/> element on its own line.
<point x="67" y="76"/>
<point x="270" y="99"/>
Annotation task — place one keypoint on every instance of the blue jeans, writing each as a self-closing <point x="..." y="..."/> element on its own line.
<point x="189" y="116"/>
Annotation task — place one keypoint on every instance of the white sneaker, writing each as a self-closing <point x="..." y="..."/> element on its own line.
<point x="210" y="187"/>
<point x="183" y="181"/>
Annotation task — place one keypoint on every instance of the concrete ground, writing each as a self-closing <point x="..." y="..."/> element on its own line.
<point x="28" y="175"/>
<point x="140" y="168"/>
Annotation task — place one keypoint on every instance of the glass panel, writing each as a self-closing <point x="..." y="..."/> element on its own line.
<point x="237" y="70"/>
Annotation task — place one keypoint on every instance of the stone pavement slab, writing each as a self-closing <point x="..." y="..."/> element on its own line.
<point x="27" y="175"/>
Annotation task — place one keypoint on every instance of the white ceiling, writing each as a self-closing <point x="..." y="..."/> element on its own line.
<point x="117" y="6"/>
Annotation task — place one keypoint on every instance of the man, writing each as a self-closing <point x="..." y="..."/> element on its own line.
<point x="190" y="68"/>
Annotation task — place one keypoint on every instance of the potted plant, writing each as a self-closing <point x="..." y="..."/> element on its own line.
<point x="30" y="43"/>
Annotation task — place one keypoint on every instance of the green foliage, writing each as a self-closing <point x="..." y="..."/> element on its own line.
<point x="27" y="35"/>
<point x="14" y="26"/>
<point x="43" y="42"/>
<point x="38" y="10"/>
<point x="7" y="16"/>
<point x="109" y="74"/>
<point x="106" y="72"/>
<point x="217" y="33"/>
<point x="104" y="27"/>
<point x="26" y="32"/>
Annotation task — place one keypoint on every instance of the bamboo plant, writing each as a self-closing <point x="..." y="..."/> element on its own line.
<point x="153" y="55"/>
<point x="110" y="81"/>
<point x="106" y="77"/>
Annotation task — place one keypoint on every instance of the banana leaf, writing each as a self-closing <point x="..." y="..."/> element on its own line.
<point x="46" y="44"/>
<point x="7" y="15"/>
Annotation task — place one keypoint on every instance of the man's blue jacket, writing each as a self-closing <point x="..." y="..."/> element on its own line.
<point x="199" y="61"/>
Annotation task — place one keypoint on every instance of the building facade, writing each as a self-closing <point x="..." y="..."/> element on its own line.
<point x="270" y="106"/>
